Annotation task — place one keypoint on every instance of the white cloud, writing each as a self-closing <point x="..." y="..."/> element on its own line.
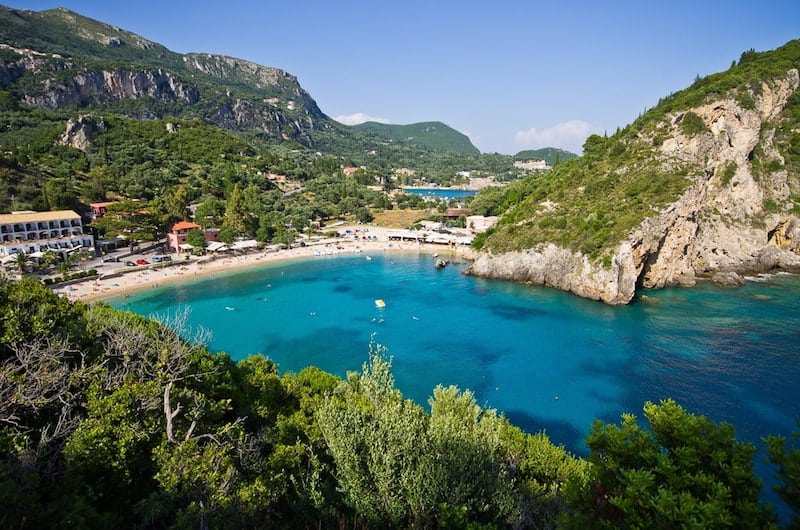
<point x="358" y="117"/>
<point x="568" y="135"/>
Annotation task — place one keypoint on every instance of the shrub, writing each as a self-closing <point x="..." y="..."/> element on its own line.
<point x="691" y="124"/>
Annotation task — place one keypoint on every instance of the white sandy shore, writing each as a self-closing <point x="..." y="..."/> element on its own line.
<point x="111" y="286"/>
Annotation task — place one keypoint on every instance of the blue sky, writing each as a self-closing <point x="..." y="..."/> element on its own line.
<point x="511" y="75"/>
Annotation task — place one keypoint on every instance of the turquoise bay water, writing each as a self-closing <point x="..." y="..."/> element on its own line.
<point x="441" y="193"/>
<point x="547" y="359"/>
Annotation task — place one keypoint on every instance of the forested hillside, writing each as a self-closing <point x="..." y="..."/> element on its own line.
<point x="435" y="135"/>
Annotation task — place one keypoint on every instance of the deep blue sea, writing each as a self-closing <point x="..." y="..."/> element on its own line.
<point x="547" y="359"/>
<point x="441" y="193"/>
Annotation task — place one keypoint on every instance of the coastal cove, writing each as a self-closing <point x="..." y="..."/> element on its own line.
<point x="546" y="359"/>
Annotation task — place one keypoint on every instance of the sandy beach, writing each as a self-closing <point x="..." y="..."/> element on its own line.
<point x="110" y="285"/>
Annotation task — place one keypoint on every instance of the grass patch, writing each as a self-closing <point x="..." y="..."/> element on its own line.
<point x="398" y="218"/>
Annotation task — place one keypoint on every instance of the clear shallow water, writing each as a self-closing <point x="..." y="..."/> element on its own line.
<point x="731" y="354"/>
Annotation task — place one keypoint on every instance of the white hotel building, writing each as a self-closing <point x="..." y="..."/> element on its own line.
<point x="35" y="232"/>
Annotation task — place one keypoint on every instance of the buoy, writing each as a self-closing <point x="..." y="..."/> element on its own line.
<point x="380" y="303"/>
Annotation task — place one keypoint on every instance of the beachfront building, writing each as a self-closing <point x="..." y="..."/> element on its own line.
<point x="176" y="238"/>
<point x="33" y="233"/>
<point x="455" y="213"/>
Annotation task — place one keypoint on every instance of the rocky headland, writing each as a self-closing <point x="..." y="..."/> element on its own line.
<point x="734" y="218"/>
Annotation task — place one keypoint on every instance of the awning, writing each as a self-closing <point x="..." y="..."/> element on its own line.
<point x="217" y="246"/>
<point x="186" y="246"/>
<point x="37" y="254"/>
<point x="248" y="243"/>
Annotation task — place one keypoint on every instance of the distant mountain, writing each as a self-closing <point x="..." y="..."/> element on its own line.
<point x="432" y="134"/>
<point x="551" y="155"/>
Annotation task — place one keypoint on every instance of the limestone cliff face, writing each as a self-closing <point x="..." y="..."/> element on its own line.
<point x="734" y="217"/>
<point x="287" y="110"/>
<point x="265" y="99"/>
<point x="104" y="86"/>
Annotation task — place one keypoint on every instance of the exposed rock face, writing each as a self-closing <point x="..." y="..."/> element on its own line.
<point x="224" y="67"/>
<point x="719" y="225"/>
<point x="104" y="86"/>
<point x="560" y="268"/>
<point x="79" y="132"/>
<point x="273" y="101"/>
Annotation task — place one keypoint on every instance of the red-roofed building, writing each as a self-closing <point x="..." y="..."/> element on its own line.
<point x="176" y="238"/>
<point x="98" y="209"/>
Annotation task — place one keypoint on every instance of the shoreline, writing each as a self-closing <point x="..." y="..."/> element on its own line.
<point x="124" y="284"/>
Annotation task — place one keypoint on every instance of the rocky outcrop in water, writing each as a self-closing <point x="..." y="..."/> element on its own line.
<point x="733" y="219"/>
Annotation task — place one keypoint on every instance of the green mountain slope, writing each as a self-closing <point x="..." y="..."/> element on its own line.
<point x="551" y="155"/>
<point x="432" y="134"/>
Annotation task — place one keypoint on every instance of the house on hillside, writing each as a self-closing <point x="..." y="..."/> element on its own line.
<point x="531" y="165"/>
<point x="176" y="238"/>
<point x="99" y="209"/>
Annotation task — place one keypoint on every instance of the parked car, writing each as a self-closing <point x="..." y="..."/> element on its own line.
<point x="130" y="264"/>
<point x="142" y="262"/>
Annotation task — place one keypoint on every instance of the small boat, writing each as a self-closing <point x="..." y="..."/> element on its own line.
<point x="380" y="303"/>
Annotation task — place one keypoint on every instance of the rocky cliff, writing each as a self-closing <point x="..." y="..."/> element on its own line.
<point x="738" y="216"/>
<point x="95" y="71"/>
<point x="103" y="86"/>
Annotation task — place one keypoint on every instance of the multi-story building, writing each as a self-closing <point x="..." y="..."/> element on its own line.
<point x="176" y="238"/>
<point x="32" y="232"/>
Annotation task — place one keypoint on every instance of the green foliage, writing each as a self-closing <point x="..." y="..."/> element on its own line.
<point x="726" y="172"/>
<point x="462" y="465"/>
<point x="691" y="124"/>
<point x="196" y="238"/>
<point x="377" y="441"/>
<point x="786" y="455"/>
<point x="686" y="468"/>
